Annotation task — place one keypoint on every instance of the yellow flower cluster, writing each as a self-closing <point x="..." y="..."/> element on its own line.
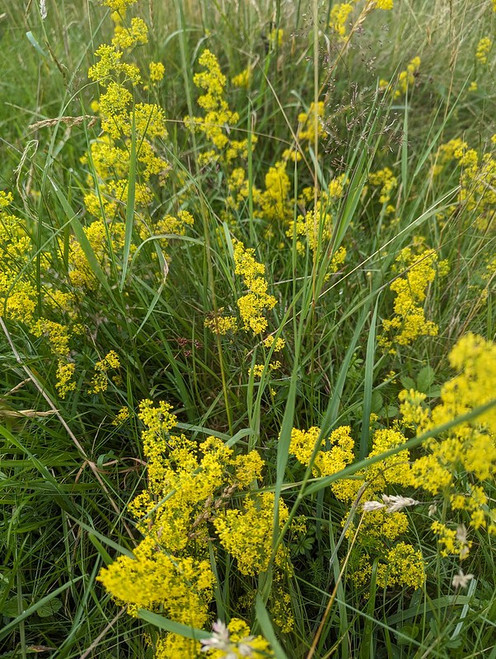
<point x="109" y="156"/>
<point x="238" y="188"/>
<point x="276" y="36"/>
<point x="99" y="382"/>
<point x="19" y="296"/>
<point x="311" y="123"/>
<point x="477" y="178"/>
<point x="180" y="586"/>
<point x="274" y="200"/>
<point x="459" y="462"/>
<point x="243" y="79"/>
<point x="257" y="301"/>
<point x="81" y="273"/>
<point x="219" y="119"/>
<point x="130" y="36"/>
<point x="64" y="378"/>
<point x="108" y="159"/>
<point x="341" y="11"/>
<point x="110" y="66"/>
<point x="189" y="497"/>
<point x="338" y="17"/>
<point x="394" y="470"/>
<point x="483" y="48"/>
<point x="338" y="451"/>
<point x="316" y="228"/>
<point x="157" y="71"/>
<point x="336" y="187"/>
<point x="385" y="179"/>
<point x="6" y="199"/>
<point x="276" y="344"/>
<point x="379" y="527"/>
<point x="383" y="4"/>
<point x="406" y="78"/>
<point x="171" y="225"/>
<point x="220" y="324"/>
<point x="403" y="566"/>
<point x="122" y="415"/>
<point x="246" y="533"/>
<point x="417" y="270"/>
<point x="451" y="541"/>
<point x="252" y="306"/>
<point x="119" y="6"/>
<point x="257" y="370"/>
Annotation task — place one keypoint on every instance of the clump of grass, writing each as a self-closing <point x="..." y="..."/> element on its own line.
<point x="246" y="288"/>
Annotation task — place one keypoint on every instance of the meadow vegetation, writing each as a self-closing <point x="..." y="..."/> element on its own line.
<point x="247" y="322"/>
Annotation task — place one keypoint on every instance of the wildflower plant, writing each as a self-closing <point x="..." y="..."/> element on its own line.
<point x="247" y="329"/>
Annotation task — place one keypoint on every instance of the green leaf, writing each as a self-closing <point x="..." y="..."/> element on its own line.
<point x="82" y="239"/>
<point x="171" y="626"/>
<point x="389" y="411"/>
<point x="11" y="607"/>
<point x="367" y="386"/>
<point x="410" y="632"/>
<point x="131" y="190"/>
<point x="35" y="607"/>
<point x="434" y="392"/>
<point x="48" y="609"/>
<point x="407" y="382"/>
<point x="425" y="378"/>
<point x="267" y="629"/>
<point x="103" y="538"/>
<point x="107" y="559"/>
<point x="376" y="402"/>
<point x="33" y="41"/>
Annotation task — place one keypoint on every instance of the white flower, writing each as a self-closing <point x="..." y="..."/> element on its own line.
<point x="395" y="503"/>
<point x="244" y="649"/>
<point x="219" y="639"/>
<point x="432" y="509"/>
<point x="369" y="506"/>
<point x="461" y="580"/>
<point x="461" y="534"/>
<point x="43" y="9"/>
<point x="392" y="503"/>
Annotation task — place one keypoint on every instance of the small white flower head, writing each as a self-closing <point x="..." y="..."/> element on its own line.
<point x="461" y="534"/>
<point x="221" y="629"/>
<point x="396" y="503"/>
<point x="432" y="509"/>
<point x="244" y="649"/>
<point x="43" y="9"/>
<point x="219" y="639"/>
<point x="461" y="580"/>
<point x="369" y="506"/>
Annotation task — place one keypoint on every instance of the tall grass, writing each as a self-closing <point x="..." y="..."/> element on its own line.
<point x="68" y="472"/>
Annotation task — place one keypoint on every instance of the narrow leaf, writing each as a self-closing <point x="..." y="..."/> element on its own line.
<point x="171" y="626"/>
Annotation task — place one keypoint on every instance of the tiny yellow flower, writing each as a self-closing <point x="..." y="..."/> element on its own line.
<point x="157" y="71"/>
